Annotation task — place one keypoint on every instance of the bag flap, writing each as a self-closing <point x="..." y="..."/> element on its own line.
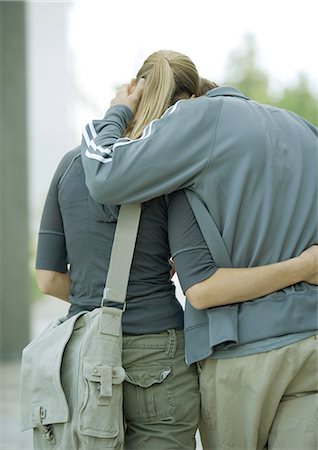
<point x="40" y="385"/>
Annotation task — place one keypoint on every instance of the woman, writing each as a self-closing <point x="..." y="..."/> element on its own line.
<point x="73" y="254"/>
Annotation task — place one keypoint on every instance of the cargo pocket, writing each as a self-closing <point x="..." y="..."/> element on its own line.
<point x="148" y="392"/>
<point x="100" y="414"/>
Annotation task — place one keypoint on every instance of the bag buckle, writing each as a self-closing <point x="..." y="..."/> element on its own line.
<point x="106" y="376"/>
<point x="39" y="414"/>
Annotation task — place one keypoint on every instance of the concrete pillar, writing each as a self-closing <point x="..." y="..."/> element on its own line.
<point x="14" y="255"/>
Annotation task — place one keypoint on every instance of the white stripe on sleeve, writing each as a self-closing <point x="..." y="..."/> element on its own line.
<point x="90" y="143"/>
<point x="92" y="129"/>
<point x="98" y="157"/>
<point x="148" y="129"/>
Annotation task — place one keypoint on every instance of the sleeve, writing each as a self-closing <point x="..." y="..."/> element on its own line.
<point x="171" y="153"/>
<point x="192" y="259"/>
<point x="51" y="249"/>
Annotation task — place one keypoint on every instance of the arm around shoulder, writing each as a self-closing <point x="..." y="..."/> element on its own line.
<point x="167" y="157"/>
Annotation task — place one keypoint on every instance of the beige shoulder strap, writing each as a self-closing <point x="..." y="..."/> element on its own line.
<point x="122" y="253"/>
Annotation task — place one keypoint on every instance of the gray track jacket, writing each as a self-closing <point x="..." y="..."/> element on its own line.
<point x="251" y="176"/>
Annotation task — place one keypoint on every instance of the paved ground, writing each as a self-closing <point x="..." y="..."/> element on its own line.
<point x="11" y="438"/>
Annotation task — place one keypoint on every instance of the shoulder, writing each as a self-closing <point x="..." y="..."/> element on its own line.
<point x="195" y="112"/>
<point x="191" y="105"/>
<point x="71" y="158"/>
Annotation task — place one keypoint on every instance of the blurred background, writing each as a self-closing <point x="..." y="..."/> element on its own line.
<point x="60" y="63"/>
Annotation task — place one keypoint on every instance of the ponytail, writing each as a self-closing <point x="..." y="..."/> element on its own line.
<point x="168" y="76"/>
<point x="157" y="93"/>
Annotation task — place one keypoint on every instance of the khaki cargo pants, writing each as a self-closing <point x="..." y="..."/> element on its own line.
<point x="263" y="401"/>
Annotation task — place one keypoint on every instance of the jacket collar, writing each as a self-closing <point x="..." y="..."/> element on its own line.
<point x="226" y="91"/>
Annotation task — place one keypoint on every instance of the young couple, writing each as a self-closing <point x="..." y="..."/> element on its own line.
<point x="228" y="190"/>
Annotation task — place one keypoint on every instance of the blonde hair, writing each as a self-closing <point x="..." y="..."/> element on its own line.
<point x="167" y="75"/>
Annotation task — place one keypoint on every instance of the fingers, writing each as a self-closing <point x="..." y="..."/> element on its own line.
<point x="123" y="89"/>
<point x="121" y="95"/>
<point x="133" y="88"/>
<point x="139" y="86"/>
<point x="137" y="93"/>
<point x="129" y="94"/>
<point x="132" y="85"/>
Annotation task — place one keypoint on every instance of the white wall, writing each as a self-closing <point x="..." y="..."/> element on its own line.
<point x="50" y="97"/>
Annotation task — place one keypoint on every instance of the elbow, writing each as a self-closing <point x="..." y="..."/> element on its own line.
<point x="196" y="297"/>
<point x="101" y="192"/>
<point x="45" y="280"/>
<point x="95" y="191"/>
<point x="44" y="287"/>
<point x="205" y="294"/>
<point x="97" y="195"/>
<point x="197" y="303"/>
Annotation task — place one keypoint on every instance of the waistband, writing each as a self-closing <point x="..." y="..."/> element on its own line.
<point x="168" y="341"/>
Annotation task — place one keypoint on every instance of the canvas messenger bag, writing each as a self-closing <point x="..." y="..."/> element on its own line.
<point x="98" y="375"/>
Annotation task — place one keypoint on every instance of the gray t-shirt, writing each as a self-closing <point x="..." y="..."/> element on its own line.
<point x="77" y="232"/>
<point x="189" y="251"/>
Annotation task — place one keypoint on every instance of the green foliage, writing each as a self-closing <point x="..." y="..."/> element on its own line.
<point x="299" y="99"/>
<point x="245" y="73"/>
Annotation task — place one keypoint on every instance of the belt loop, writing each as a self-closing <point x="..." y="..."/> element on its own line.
<point x="171" y="348"/>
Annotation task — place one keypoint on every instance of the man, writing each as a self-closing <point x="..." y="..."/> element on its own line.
<point x="249" y="171"/>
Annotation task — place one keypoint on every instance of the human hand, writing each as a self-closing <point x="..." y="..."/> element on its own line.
<point x="129" y="95"/>
<point x="172" y="268"/>
<point x="309" y="258"/>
